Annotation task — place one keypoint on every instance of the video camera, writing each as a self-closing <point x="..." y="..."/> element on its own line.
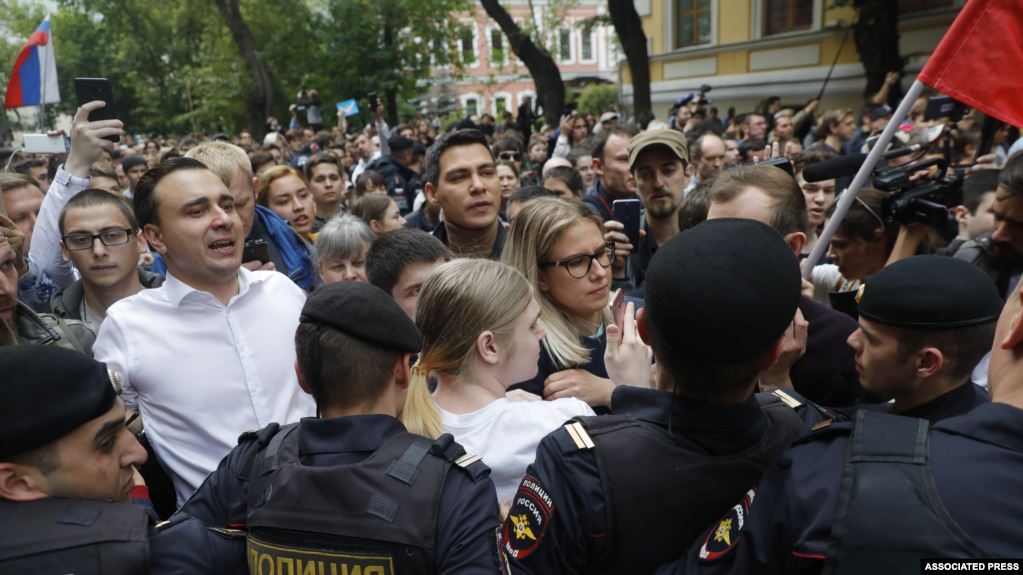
<point x="926" y="200"/>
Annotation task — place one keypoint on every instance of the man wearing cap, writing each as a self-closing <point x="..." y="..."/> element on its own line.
<point x="71" y="499"/>
<point x="948" y="486"/>
<point x="659" y="160"/>
<point x="625" y="492"/>
<point x="925" y="322"/>
<point x="393" y="165"/>
<point x="352" y="489"/>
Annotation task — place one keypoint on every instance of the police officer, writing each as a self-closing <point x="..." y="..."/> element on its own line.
<point x="948" y="486"/>
<point x="67" y="474"/>
<point x="352" y="491"/>
<point x="925" y="322"/>
<point x="624" y="492"/>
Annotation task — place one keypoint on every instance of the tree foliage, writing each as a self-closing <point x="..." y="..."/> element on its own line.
<point x="598" y="98"/>
<point x="175" y="67"/>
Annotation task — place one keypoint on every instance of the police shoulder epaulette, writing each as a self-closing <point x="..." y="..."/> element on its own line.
<point x="579" y="435"/>
<point x="823" y="430"/>
<point x="786" y="398"/>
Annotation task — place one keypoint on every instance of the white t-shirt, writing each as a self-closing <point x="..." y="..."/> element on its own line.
<point x="505" y="434"/>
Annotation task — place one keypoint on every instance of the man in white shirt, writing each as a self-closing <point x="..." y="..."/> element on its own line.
<point x="210" y="354"/>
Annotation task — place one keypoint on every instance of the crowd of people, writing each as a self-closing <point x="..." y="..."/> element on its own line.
<point x="412" y="350"/>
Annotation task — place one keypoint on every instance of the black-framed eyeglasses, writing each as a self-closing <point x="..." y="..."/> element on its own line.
<point x="579" y="266"/>
<point x="110" y="237"/>
<point x="510" y="156"/>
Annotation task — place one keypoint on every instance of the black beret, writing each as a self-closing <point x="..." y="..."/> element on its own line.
<point x="48" y="392"/>
<point x="397" y="143"/>
<point x="929" y="292"/>
<point x="724" y="290"/>
<point x="363" y="311"/>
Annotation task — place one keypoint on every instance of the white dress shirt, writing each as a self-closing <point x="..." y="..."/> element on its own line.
<point x="202" y="373"/>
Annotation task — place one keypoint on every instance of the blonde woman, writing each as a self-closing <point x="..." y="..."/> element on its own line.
<point x="481" y="334"/>
<point x="558" y="244"/>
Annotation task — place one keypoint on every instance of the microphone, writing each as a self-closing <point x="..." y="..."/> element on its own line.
<point x="834" y="168"/>
<point x="842" y="166"/>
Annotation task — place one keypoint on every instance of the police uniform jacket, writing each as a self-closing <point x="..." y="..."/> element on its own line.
<point x="569" y="515"/>
<point x="466" y="522"/>
<point x="788" y="523"/>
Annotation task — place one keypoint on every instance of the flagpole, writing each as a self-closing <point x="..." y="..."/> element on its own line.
<point x="849" y="195"/>
<point x="42" y="89"/>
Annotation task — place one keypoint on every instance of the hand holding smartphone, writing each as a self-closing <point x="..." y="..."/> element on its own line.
<point x="92" y="89"/>
<point x="627" y="212"/>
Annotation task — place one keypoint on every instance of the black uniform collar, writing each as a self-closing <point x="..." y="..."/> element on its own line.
<point x="354" y="433"/>
<point x="957" y="401"/>
<point x="995" y="423"/>
<point x="654" y="406"/>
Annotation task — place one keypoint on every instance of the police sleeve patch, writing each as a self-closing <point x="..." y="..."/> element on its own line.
<point x="725" y="534"/>
<point x="527" y="521"/>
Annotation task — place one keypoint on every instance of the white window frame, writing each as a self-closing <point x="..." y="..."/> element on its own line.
<point x="509" y="103"/>
<point x="567" y="27"/>
<point x="669" y="28"/>
<point x="758" y="18"/>
<point x="503" y="63"/>
<point x="593" y="46"/>
<point x="475" y="47"/>
<point x="521" y="97"/>
<point x="464" y="102"/>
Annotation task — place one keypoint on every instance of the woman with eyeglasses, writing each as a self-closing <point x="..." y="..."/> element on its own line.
<point x="558" y="244"/>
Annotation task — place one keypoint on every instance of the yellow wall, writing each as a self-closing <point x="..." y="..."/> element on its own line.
<point x="733" y="21"/>
<point x="736" y="62"/>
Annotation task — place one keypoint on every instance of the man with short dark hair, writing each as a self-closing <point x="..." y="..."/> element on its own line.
<point x="209" y="349"/>
<point x="461" y="178"/>
<point x="103" y="241"/>
<point x="619" y="493"/>
<point x="975" y="215"/>
<point x="399" y="262"/>
<point x="408" y="504"/>
<point x="1000" y="253"/>
<point x="611" y="165"/>
<point x="287" y="252"/>
<point x="327" y="183"/>
<point x="134" y="166"/>
<point x="37" y="170"/>
<point x="754" y="127"/>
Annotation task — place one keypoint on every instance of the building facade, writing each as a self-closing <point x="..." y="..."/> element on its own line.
<point x="493" y="80"/>
<point x="747" y="50"/>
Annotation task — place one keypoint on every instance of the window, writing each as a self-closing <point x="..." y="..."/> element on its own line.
<point x="586" y="47"/>
<point x="910" y="6"/>
<point x="467" y="46"/>
<point x="693" y="20"/>
<point x="471" y="105"/>
<point x="787" y="16"/>
<point x="500" y="105"/>
<point x="498" y="53"/>
<point x="564" y="44"/>
<point x="527" y="99"/>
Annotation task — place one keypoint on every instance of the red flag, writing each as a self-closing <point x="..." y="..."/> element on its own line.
<point x="978" y="62"/>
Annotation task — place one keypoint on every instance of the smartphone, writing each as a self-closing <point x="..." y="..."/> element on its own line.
<point x="256" y="250"/>
<point x="627" y="212"/>
<point x="374" y="102"/>
<point x="92" y="89"/>
<point x="617" y="306"/>
<point x="44" y="144"/>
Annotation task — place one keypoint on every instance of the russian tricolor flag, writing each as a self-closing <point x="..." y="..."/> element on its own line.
<point x="34" y="79"/>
